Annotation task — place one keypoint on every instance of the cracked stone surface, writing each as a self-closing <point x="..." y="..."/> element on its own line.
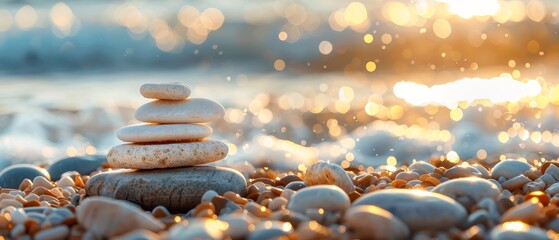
<point x="178" y="189"/>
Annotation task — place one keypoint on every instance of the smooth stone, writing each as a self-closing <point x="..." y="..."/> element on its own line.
<point x="420" y="210"/>
<point x="517" y="231"/>
<point x="239" y="225"/>
<point x="192" y="110"/>
<point x="199" y="228"/>
<point x="58" y="232"/>
<point x="106" y="217"/>
<point x="179" y="189"/>
<point x="481" y="169"/>
<point x="140" y="234"/>
<point x="296" y="185"/>
<point x="270" y="230"/>
<point x="462" y="172"/>
<point x="422" y="167"/>
<point x="163" y="132"/>
<point x="509" y="168"/>
<point x="12" y="176"/>
<point x="330" y="174"/>
<point x="371" y="222"/>
<point x="150" y="156"/>
<point x="167" y="91"/>
<point x="528" y="212"/>
<point x="473" y="187"/>
<point x="82" y="164"/>
<point x="327" y="197"/>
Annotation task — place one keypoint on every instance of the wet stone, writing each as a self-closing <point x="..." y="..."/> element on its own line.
<point x="12" y="176"/>
<point x="83" y="165"/>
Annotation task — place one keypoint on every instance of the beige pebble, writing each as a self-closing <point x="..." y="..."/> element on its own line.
<point x="369" y="221"/>
<point x="58" y="232"/>
<point x="528" y="212"/>
<point x="104" y="217"/>
<point x="287" y="194"/>
<point x="192" y="110"/>
<point x="41" y="181"/>
<point x="163" y="132"/>
<point x="517" y="231"/>
<point x="332" y="198"/>
<point x="151" y="156"/>
<point x="278" y="203"/>
<point x="201" y="228"/>
<point x="167" y="91"/>
<point x="312" y="230"/>
<point x="66" y="181"/>
<point x="327" y="173"/>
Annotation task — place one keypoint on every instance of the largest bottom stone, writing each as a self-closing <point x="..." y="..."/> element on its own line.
<point x="178" y="189"/>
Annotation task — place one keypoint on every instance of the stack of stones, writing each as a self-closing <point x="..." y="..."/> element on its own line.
<point x="161" y="161"/>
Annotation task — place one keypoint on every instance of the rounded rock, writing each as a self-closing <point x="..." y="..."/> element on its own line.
<point x="296" y="185"/>
<point x="474" y="188"/>
<point x="193" y="110"/>
<point x="327" y="173"/>
<point x="163" y="132"/>
<point x="200" y="228"/>
<point x="327" y="197"/>
<point x="412" y="207"/>
<point x="82" y="164"/>
<point x="179" y="189"/>
<point x="517" y="231"/>
<point x="422" y="167"/>
<point x="462" y="172"/>
<point x="509" y="168"/>
<point x="371" y="222"/>
<point x="151" y="156"/>
<point x="106" y="217"/>
<point x="167" y="91"/>
<point x="12" y="176"/>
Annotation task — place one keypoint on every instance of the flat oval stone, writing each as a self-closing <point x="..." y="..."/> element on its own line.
<point x="179" y="189"/>
<point x="517" y="231"/>
<point x="462" y="172"/>
<point x="192" y="110"/>
<point x="12" y="176"/>
<point x="422" y="167"/>
<point x="163" y="132"/>
<point x="167" y="91"/>
<point x="328" y="173"/>
<point x="327" y="197"/>
<point x="420" y="210"/>
<point x="371" y="222"/>
<point x="150" y="156"/>
<point x="107" y="217"/>
<point x="509" y="168"/>
<point x="473" y="187"/>
<point x="82" y="164"/>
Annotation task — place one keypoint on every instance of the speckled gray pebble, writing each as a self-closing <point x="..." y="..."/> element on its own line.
<point x="178" y="189"/>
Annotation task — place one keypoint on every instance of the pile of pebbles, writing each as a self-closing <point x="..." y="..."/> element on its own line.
<point x="426" y="200"/>
<point x="169" y="149"/>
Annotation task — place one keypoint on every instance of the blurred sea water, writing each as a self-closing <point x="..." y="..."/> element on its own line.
<point x="297" y="87"/>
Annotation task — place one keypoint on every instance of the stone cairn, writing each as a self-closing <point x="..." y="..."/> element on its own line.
<point x="162" y="157"/>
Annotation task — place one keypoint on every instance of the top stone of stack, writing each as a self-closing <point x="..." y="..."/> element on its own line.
<point x="165" y="91"/>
